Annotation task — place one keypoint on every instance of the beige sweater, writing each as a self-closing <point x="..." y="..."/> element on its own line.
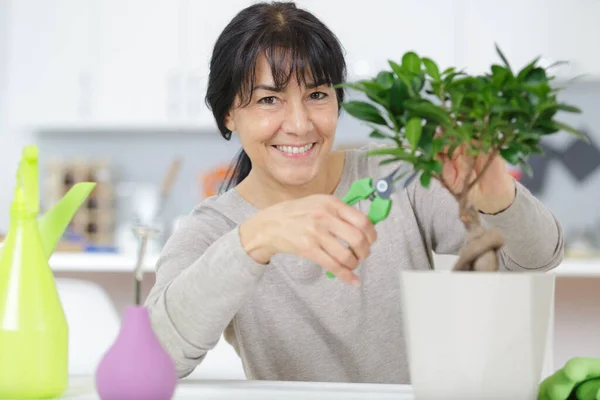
<point x="287" y="320"/>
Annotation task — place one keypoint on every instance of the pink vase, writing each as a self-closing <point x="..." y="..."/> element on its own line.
<point x="136" y="367"/>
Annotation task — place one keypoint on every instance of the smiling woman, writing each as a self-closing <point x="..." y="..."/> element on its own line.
<point x="271" y="81"/>
<point x="249" y="262"/>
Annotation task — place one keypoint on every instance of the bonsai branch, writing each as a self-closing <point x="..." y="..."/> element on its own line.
<point x="480" y="251"/>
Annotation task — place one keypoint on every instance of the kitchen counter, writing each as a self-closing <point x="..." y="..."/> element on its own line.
<point x="108" y="262"/>
<point x="82" y="388"/>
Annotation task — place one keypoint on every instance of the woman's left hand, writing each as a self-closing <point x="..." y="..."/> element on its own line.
<point x="492" y="193"/>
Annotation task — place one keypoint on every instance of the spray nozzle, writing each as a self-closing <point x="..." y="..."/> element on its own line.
<point x="27" y="189"/>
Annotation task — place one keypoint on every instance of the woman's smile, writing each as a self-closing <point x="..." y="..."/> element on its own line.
<point x="295" y="151"/>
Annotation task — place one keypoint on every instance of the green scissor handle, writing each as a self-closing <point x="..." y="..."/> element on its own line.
<point x="361" y="189"/>
<point x="379" y="210"/>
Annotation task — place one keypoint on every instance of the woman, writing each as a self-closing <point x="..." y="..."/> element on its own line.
<point x="251" y="262"/>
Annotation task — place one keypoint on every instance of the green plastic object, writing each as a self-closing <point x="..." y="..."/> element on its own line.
<point x="33" y="327"/>
<point x="362" y="189"/>
<point x="579" y="379"/>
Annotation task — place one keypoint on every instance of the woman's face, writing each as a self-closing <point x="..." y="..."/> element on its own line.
<point x="287" y="134"/>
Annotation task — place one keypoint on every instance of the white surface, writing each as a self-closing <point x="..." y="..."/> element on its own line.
<point x="93" y="323"/>
<point x="564" y="32"/>
<point x="479" y="342"/>
<point x="94" y="262"/>
<point x="82" y="389"/>
<point x="222" y="362"/>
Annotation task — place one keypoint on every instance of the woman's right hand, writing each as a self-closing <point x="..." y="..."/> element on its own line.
<point x="311" y="227"/>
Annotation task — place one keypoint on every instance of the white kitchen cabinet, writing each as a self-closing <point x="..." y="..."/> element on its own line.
<point x="556" y="30"/>
<point x="48" y="61"/>
<point x="106" y="64"/>
<point x="201" y="26"/>
<point x="380" y="30"/>
<point x="137" y="62"/>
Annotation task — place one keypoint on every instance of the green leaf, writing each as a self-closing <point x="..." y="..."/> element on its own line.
<point x="411" y="62"/>
<point x="525" y="71"/>
<point x="417" y="83"/>
<point x="568" y="108"/>
<point x="427" y="143"/>
<point x="403" y="75"/>
<point x="436" y="166"/>
<point x="364" y="111"/>
<point x="425" y="179"/>
<point x="499" y="75"/>
<point x="428" y="110"/>
<point x="389" y="161"/>
<point x="525" y="167"/>
<point x="511" y="155"/>
<point x="448" y="71"/>
<point x="570" y="129"/>
<point x="432" y="68"/>
<point x="437" y="145"/>
<point x="536" y="76"/>
<point x="545" y="127"/>
<point x="398" y="95"/>
<point x="371" y="89"/>
<point x="413" y="132"/>
<point x="375" y="134"/>
<point x="504" y="60"/>
<point x="397" y="152"/>
<point x="385" y="79"/>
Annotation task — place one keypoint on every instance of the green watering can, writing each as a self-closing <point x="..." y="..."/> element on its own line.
<point x="33" y="327"/>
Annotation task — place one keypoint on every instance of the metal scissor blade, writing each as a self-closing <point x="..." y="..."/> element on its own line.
<point x="396" y="179"/>
<point x="404" y="182"/>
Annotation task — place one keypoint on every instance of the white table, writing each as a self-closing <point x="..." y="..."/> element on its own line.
<point x="82" y="388"/>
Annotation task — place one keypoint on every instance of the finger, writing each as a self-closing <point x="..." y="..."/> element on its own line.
<point x="480" y="161"/>
<point x="357" y="219"/>
<point x="340" y="253"/>
<point x="458" y="152"/>
<point x="450" y="174"/>
<point x="356" y="239"/>
<point x="588" y="390"/>
<point x="321" y="257"/>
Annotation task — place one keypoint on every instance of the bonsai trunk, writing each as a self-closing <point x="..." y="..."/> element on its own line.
<point x="480" y="251"/>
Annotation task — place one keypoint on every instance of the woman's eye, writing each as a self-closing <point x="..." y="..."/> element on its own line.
<point x="318" y="95"/>
<point x="267" y="100"/>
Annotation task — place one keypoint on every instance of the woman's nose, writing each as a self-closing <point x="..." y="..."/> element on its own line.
<point x="296" y="120"/>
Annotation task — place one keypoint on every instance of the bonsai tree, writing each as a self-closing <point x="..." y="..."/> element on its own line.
<point x="427" y="114"/>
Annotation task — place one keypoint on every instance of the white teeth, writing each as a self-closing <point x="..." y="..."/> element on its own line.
<point x="294" y="150"/>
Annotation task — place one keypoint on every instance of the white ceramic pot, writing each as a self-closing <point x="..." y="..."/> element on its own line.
<point x="476" y="335"/>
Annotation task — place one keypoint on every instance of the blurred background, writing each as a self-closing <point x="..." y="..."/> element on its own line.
<point x="113" y="91"/>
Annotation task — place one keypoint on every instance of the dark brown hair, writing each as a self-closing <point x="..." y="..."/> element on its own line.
<point x="293" y="41"/>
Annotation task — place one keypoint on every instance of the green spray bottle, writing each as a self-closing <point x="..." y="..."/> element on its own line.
<point x="33" y="327"/>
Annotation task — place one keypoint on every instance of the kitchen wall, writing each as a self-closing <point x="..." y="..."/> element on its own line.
<point x="567" y="177"/>
<point x="5" y="136"/>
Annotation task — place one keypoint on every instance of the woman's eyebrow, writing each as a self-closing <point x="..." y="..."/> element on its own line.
<point x="270" y="88"/>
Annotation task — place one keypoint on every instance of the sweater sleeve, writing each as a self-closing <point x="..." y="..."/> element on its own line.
<point x="533" y="236"/>
<point x="203" y="277"/>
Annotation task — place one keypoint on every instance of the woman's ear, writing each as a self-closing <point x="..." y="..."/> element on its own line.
<point x="229" y="124"/>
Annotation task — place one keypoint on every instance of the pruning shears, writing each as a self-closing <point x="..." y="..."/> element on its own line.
<point x="379" y="193"/>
